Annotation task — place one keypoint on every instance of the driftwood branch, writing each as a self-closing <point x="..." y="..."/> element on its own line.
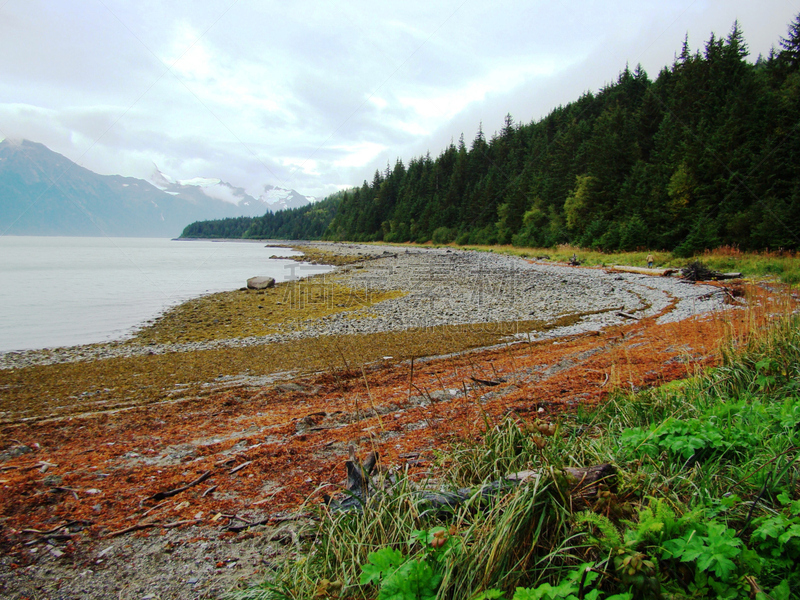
<point x="136" y="527"/>
<point x="240" y="467"/>
<point x="627" y="315"/>
<point x="697" y="271"/>
<point x="161" y="495"/>
<point x="268" y="520"/>
<point x="149" y="524"/>
<point x="62" y="532"/>
<point x="179" y="523"/>
<point x="486" y="382"/>
<point x="584" y="484"/>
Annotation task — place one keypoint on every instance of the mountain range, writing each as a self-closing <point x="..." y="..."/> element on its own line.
<point x="45" y="193"/>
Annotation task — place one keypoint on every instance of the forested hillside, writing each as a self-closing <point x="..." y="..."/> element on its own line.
<point x="304" y="223"/>
<point x="707" y="154"/>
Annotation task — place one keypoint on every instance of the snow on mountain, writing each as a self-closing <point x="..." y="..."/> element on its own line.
<point x="200" y="181"/>
<point x="280" y="198"/>
<point x="269" y="197"/>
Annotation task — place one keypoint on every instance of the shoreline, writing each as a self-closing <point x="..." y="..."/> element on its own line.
<point x="439" y="287"/>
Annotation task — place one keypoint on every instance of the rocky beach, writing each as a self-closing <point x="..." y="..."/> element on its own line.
<point x="431" y="288"/>
<point x="244" y="404"/>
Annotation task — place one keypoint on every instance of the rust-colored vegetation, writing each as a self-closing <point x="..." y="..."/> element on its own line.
<point x="107" y="436"/>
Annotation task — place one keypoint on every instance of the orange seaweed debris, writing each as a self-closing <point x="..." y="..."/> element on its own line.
<point x="292" y="436"/>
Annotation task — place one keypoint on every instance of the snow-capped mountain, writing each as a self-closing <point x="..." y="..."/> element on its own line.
<point x="45" y="193"/>
<point x="270" y="198"/>
<point x="277" y="198"/>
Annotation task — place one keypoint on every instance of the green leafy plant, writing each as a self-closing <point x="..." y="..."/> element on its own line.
<point x="572" y="587"/>
<point x="779" y="535"/>
<point x="689" y="439"/>
<point x="713" y="551"/>
<point x="400" y="577"/>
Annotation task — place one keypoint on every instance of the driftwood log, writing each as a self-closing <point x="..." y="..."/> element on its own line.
<point x="655" y="272"/>
<point x="583" y="485"/>
<point x="697" y="271"/>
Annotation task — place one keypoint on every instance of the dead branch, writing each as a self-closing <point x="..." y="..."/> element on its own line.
<point x="240" y="467"/>
<point x="246" y="524"/>
<point x="583" y="482"/>
<point x="284" y="519"/>
<point x="57" y="533"/>
<point x="149" y="510"/>
<point x="66" y="489"/>
<point x="37" y="465"/>
<point x="161" y="495"/>
<point x="48" y="538"/>
<point x="486" y="382"/>
<point x="627" y="315"/>
<point x="66" y="525"/>
<point x="130" y="529"/>
<point x="179" y="523"/>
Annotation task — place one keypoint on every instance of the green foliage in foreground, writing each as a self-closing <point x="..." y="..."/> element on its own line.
<point x="706" y="503"/>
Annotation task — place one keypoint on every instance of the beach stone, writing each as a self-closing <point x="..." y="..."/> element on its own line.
<point x="53" y="480"/>
<point x="260" y="283"/>
<point x="14" y="452"/>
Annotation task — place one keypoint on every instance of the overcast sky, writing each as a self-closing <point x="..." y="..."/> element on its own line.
<point x="316" y="95"/>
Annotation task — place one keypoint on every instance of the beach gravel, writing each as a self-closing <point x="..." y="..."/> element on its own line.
<point x="442" y="286"/>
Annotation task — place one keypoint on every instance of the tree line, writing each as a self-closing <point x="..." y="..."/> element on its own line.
<point x="707" y="154"/>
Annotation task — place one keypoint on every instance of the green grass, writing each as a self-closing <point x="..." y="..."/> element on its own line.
<point x="706" y="502"/>
<point x="784" y="266"/>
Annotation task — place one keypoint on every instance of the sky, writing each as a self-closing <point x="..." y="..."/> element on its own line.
<point x="317" y="95"/>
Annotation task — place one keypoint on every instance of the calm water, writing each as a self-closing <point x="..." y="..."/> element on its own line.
<point x="64" y="291"/>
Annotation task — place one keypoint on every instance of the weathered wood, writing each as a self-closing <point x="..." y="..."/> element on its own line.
<point x="584" y="484"/>
<point x="697" y="271"/>
<point x="486" y="382"/>
<point x="161" y="495"/>
<point x="240" y="467"/>
<point x="655" y="272"/>
<point x="136" y="527"/>
<point x="357" y="473"/>
<point x="586" y="481"/>
<point x="627" y="315"/>
<point x="180" y="523"/>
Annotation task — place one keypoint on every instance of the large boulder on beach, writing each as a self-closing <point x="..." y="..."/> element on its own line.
<point x="260" y="283"/>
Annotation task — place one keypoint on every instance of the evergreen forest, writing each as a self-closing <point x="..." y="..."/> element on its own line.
<point x="706" y="154"/>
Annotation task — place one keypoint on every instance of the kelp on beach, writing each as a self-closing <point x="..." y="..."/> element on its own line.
<point x="47" y="391"/>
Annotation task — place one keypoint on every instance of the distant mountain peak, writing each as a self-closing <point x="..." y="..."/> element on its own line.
<point x="45" y="193"/>
<point x="13" y="142"/>
<point x="266" y="197"/>
<point x="277" y="198"/>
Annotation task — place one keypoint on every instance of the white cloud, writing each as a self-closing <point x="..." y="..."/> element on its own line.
<point x="358" y="155"/>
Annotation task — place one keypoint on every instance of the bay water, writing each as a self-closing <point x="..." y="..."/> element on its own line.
<point x="66" y="291"/>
